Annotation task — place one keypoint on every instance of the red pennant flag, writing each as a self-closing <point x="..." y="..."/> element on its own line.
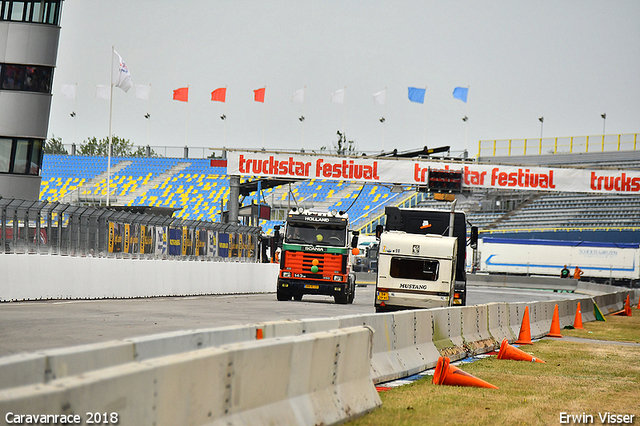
<point x="258" y="94"/>
<point x="181" y="94"/>
<point x="219" y="94"/>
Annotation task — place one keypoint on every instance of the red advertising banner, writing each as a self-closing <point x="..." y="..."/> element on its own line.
<point x="414" y="172"/>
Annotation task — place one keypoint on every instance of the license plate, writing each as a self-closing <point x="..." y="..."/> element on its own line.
<point x="312" y="286"/>
<point x="383" y="295"/>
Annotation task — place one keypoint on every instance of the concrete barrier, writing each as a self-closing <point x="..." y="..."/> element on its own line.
<point x="318" y="378"/>
<point x="475" y="330"/>
<point x="103" y="278"/>
<point x="498" y="322"/>
<point x="447" y="332"/>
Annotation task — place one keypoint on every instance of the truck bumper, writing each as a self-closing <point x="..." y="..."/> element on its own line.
<point x="325" y="288"/>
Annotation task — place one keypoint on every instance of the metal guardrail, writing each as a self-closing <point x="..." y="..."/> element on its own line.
<point x="42" y="227"/>
<point x="569" y="144"/>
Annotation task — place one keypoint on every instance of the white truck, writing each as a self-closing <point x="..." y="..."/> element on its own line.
<point x="415" y="271"/>
<point x="600" y="261"/>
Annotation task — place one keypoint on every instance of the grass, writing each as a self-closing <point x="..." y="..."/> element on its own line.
<point x="622" y="329"/>
<point x="577" y="378"/>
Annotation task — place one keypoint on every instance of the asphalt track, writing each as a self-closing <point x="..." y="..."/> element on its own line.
<point x="33" y="326"/>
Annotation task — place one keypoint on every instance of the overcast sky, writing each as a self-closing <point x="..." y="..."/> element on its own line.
<point x="569" y="61"/>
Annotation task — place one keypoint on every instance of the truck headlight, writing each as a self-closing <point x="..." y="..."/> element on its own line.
<point x="286" y="274"/>
<point x="337" y="278"/>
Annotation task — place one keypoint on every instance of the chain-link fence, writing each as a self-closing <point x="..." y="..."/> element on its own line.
<point x="41" y="227"/>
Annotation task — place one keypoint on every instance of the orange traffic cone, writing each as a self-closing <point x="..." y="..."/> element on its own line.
<point x="577" y="323"/>
<point x="555" y="324"/>
<point x="447" y="374"/>
<point x="511" y="352"/>
<point x="524" y="338"/>
<point x="626" y="312"/>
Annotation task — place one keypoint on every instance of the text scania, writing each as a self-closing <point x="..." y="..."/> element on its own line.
<point x="622" y="183"/>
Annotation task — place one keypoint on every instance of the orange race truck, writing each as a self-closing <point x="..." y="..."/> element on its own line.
<point x="315" y="256"/>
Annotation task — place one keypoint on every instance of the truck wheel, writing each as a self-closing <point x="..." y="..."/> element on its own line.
<point x="341" y="299"/>
<point x="282" y="296"/>
<point x="297" y="297"/>
<point x="352" y="291"/>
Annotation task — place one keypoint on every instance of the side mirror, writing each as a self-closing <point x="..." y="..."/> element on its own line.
<point x="354" y="240"/>
<point x="473" y="241"/>
<point x="379" y="230"/>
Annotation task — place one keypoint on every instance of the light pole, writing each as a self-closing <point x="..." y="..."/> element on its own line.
<point x="604" y="121"/>
<point x="541" y="127"/>
<point x="148" y="117"/>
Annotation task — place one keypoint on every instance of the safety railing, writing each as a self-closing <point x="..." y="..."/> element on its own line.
<point x="42" y="227"/>
<point x="570" y="144"/>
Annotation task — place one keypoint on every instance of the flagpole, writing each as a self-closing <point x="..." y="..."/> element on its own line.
<point x="75" y="112"/>
<point x="224" y="129"/>
<point x="344" y="95"/>
<point x="425" y="116"/>
<point x="186" y="132"/>
<point x="304" y="119"/>
<point x="263" y="112"/>
<point x="466" y="124"/>
<point x="384" y="125"/>
<point x="110" y="134"/>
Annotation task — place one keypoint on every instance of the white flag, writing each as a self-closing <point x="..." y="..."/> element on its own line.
<point x="103" y="92"/>
<point x="121" y="74"/>
<point x="143" y="91"/>
<point x="69" y="91"/>
<point x="298" y="96"/>
<point x="380" y="98"/>
<point x="338" y="96"/>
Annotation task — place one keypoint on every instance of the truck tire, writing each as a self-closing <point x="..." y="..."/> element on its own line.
<point x="352" y="290"/>
<point x="297" y="297"/>
<point x="282" y="296"/>
<point x="341" y="299"/>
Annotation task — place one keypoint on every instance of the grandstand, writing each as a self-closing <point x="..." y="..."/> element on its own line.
<point x="199" y="191"/>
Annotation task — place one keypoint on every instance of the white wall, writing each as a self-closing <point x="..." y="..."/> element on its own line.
<point x="31" y="277"/>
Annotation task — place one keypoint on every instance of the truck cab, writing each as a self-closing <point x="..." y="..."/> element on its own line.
<point x="415" y="271"/>
<point x="315" y="256"/>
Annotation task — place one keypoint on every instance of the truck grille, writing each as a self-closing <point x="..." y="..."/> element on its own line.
<point x="299" y="261"/>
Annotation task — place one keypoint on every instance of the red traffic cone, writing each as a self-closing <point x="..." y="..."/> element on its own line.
<point x="524" y="338"/>
<point x="626" y="312"/>
<point x="638" y="305"/>
<point x="555" y="324"/>
<point x="511" y="352"/>
<point x="577" y="322"/>
<point x="447" y="374"/>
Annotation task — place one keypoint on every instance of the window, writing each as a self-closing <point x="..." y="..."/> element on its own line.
<point x="27" y="78"/>
<point x="17" y="11"/>
<point x="414" y="269"/>
<point x="21" y="156"/>
<point x="36" y="11"/>
<point x="5" y="154"/>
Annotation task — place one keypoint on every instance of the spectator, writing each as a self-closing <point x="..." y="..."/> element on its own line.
<point x="577" y="273"/>
<point x="565" y="272"/>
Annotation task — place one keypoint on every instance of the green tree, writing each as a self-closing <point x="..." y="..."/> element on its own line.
<point x="121" y="148"/>
<point x="54" y="146"/>
<point x="343" y="146"/>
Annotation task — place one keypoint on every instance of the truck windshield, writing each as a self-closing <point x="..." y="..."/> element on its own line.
<point x="317" y="235"/>
<point x="414" y="269"/>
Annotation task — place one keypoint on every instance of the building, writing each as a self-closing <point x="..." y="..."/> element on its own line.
<point x="29" y="34"/>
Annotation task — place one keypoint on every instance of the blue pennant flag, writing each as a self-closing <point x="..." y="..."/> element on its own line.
<point x="416" y="94"/>
<point x="461" y="93"/>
